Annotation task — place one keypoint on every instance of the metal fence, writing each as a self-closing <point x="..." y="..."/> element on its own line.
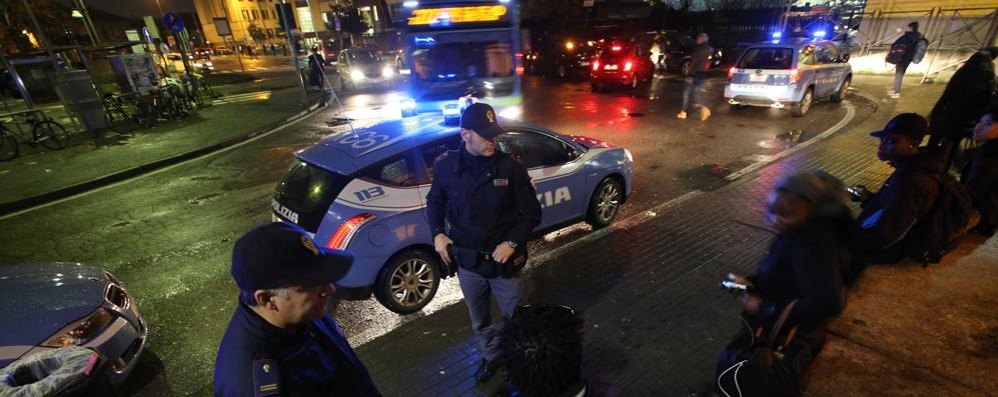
<point x="953" y="34"/>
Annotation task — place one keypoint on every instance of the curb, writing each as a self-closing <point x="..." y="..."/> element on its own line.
<point x="28" y="202"/>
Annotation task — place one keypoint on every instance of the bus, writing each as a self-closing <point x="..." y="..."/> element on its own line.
<point x="456" y="49"/>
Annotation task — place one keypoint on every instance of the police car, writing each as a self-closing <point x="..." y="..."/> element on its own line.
<point x="788" y="75"/>
<point x="365" y="191"/>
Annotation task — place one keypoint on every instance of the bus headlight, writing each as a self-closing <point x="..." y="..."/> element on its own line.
<point x="387" y="72"/>
<point x="356" y="75"/>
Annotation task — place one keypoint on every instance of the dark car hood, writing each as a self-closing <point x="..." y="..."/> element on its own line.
<point x="39" y="299"/>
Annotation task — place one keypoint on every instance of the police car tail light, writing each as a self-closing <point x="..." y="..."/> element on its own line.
<point x="341" y="238"/>
<point x="794" y="76"/>
<point x="627" y="66"/>
<point x="81" y="331"/>
<point x="731" y="72"/>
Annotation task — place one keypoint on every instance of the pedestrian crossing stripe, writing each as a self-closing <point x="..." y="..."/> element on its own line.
<point x="245" y="97"/>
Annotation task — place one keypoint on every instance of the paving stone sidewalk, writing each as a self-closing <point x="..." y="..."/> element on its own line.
<point x="655" y="318"/>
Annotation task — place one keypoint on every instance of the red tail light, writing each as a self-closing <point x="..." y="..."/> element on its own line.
<point x="627" y="66"/>
<point x="615" y="48"/>
<point x="595" y="66"/>
<point x="794" y="75"/>
<point x="341" y="238"/>
<point x="731" y="72"/>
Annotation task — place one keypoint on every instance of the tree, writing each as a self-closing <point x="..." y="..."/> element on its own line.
<point x="351" y="22"/>
<point x="258" y="35"/>
<point x="51" y="15"/>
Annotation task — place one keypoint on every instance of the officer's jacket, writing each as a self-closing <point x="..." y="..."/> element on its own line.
<point x="483" y="210"/>
<point x="258" y="359"/>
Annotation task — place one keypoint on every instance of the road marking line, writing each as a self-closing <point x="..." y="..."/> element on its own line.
<point x="763" y="160"/>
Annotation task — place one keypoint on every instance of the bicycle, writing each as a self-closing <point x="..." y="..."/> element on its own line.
<point x="118" y="117"/>
<point x="45" y="132"/>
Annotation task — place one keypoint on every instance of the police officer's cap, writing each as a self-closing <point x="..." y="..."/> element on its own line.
<point x="481" y="118"/>
<point x="280" y="254"/>
<point x="907" y="124"/>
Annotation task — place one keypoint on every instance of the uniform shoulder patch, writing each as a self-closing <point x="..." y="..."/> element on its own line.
<point x="266" y="378"/>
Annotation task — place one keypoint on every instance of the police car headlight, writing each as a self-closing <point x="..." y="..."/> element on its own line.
<point x="356" y="74"/>
<point x="630" y="157"/>
<point x="81" y="331"/>
<point x="387" y="72"/>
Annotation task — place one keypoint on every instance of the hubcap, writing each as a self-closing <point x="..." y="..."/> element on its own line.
<point x="411" y="282"/>
<point x="608" y="203"/>
<point x="805" y="103"/>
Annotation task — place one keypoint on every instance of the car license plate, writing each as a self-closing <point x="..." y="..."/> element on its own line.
<point x="758" y="77"/>
<point x="584" y="63"/>
<point x="610" y="67"/>
<point x="752" y="88"/>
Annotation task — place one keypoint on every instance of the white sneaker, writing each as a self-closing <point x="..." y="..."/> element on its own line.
<point x="681" y="115"/>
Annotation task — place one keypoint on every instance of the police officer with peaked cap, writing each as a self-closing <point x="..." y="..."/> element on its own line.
<point x="482" y="209"/>
<point x="281" y="339"/>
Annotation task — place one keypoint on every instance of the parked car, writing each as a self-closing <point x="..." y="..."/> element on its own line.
<point x="575" y="61"/>
<point x="365" y="191"/>
<point x="788" y="75"/>
<point x="52" y="305"/>
<point x="621" y="64"/>
<point x="223" y="51"/>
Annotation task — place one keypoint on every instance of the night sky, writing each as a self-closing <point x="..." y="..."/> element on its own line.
<point x="140" y="8"/>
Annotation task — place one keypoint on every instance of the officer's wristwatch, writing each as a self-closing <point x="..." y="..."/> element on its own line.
<point x="512" y="244"/>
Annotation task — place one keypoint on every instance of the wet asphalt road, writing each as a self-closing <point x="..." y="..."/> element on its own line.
<point x="168" y="235"/>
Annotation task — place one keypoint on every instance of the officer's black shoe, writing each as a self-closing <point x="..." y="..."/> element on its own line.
<point x="485" y="370"/>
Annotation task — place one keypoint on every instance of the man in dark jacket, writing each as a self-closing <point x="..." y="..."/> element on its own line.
<point x="909" y="40"/>
<point x="966" y="96"/>
<point x="800" y="281"/>
<point x="281" y="340"/>
<point x="482" y="209"/>
<point x="980" y="175"/>
<point x="317" y="68"/>
<point x="907" y="195"/>
<point x="699" y="66"/>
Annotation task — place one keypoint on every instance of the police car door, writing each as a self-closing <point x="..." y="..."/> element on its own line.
<point x="555" y="169"/>
<point x="431" y="151"/>
<point x="835" y="69"/>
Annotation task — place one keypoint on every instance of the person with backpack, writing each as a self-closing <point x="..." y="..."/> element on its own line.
<point x="968" y="94"/>
<point x="921" y="209"/>
<point x="903" y="52"/>
<point x="798" y="288"/>
<point x="980" y="175"/>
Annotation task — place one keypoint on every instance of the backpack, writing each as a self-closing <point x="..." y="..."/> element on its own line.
<point x="897" y="53"/>
<point x="921" y="46"/>
<point x="948" y="219"/>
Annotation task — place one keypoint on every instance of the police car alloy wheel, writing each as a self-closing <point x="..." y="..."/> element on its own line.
<point x="605" y="204"/>
<point x="801" y="108"/>
<point x="408" y="282"/>
<point x="839" y="95"/>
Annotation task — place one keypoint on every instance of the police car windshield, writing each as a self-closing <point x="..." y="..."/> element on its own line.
<point x="766" y="58"/>
<point x="305" y="192"/>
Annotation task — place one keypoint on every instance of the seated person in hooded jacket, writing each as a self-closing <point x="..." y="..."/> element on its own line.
<point x="907" y="195"/>
<point x="980" y="175"/>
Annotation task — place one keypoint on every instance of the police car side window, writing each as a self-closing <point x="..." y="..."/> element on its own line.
<point x="535" y="149"/>
<point x="401" y="170"/>
<point x="431" y="151"/>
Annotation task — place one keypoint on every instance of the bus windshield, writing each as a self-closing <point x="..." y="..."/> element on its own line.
<point x="454" y="61"/>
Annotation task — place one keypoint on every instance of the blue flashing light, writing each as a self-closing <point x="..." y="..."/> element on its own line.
<point x="451" y="110"/>
<point x="451" y="75"/>
<point x="424" y="41"/>
<point x="777" y="35"/>
<point x="819" y="34"/>
<point x="504" y="1"/>
<point x="410" y="4"/>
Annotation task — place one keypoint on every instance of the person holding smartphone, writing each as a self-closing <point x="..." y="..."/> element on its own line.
<point x="802" y="275"/>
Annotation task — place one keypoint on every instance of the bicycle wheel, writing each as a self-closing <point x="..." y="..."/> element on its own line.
<point x="50" y="134"/>
<point x="120" y="121"/>
<point x="8" y="147"/>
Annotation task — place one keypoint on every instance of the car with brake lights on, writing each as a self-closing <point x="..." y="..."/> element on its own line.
<point x="364" y="191"/>
<point x="621" y="64"/>
<point x="788" y="75"/>
<point x="53" y="305"/>
<point x="361" y="68"/>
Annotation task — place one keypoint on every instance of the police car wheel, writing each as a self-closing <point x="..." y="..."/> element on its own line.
<point x="605" y="203"/>
<point x="839" y="95"/>
<point x="801" y="108"/>
<point x="408" y="282"/>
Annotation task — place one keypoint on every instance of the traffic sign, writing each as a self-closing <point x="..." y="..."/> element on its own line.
<point x="173" y="22"/>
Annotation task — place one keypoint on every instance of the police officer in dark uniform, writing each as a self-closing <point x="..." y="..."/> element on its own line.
<point x="281" y="339"/>
<point x="482" y="209"/>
